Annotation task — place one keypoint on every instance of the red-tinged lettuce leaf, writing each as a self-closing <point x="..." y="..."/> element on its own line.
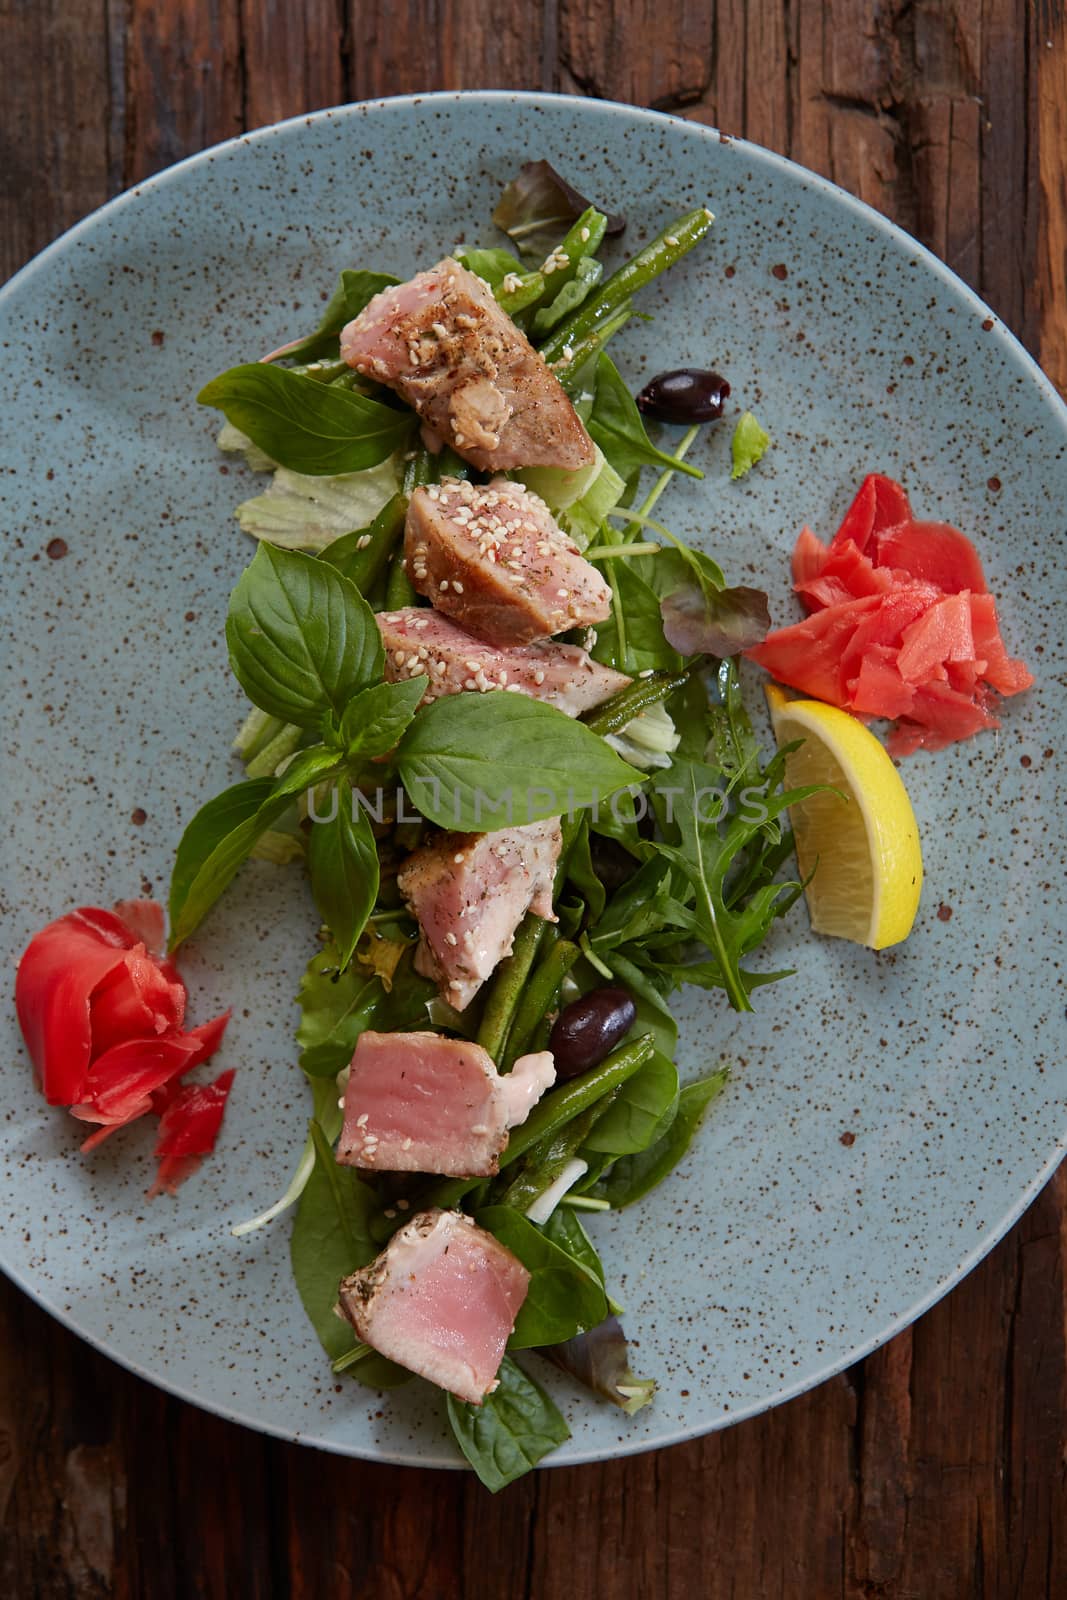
<point x="700" y="620"/>
<point x="600" y="1359"/>
<point x="538" y="204"/>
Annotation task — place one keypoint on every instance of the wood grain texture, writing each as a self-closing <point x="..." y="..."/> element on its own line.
<point x="937" y="1467"/>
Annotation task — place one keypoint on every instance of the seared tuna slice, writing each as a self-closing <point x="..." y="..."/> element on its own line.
<point x="419" y="641"/>
<point x="441" y="1300"/>
<point x="469" y="892"/>
<point x="442" y="342"/>
<point x="418" y="1102"/>
<point x="493" y="558"/>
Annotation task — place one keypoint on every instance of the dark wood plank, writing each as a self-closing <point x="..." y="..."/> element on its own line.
<point x="54" y="168"/>
<point x="185" y="80"/>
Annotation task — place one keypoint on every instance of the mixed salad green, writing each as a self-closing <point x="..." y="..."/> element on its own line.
<point x="675" y="853"/>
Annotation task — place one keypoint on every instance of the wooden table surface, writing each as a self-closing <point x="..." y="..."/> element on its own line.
<point x="936" y="1468"/>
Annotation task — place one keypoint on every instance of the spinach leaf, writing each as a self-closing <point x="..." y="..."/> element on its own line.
<point x="343" y="862"/>
<point x="563" y="1298"/>
<point x="374" y="719"/>
<point x="309" y="427"/>
<point x="301" y="637"/>
<point x="331" y="1238"/>
<point x="208" y="859"/>
<point x="601" y="1360"/>
<point x="565" y="1230"/>
<point x="354" y="291"/>
<point x="493" y="266"/>
<point x="511" y="1431"/>
<point x="640" y="644"/>
<point x="641" y="1112"/>
<point x="616" y="426"/>
<point x="481" y="761"/>
<point x="336" y="1007"/>
<point x="631" y="1177"/>
<point x="582" y="874"/>
<point x="653" y="1013"/>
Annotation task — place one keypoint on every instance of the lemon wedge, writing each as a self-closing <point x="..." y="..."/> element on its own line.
<point x="864" y="848"/>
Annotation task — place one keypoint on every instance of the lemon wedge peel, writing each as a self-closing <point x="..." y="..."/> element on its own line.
<point x="860" y="856"/>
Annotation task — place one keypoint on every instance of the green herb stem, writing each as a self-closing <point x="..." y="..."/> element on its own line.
<point x="607" y="552"/>
<point x="350" y="1357"/>
<point x="258" y="728"/>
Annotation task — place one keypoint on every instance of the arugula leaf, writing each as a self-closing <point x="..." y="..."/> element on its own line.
<point x="343" y="862"/>
<point x="616" y="426"/>
<point x="563" y="1298"/>
<point x="601" y="1360"/>
<point x="633" y="1176"/>
<point x="748" y="445"/>
<point x="331" y="1237"/>
<point x="301" y="637"/>
<point x="715" y="622"/>
<point x="374" y="719"/>
<point x="208" y="858"/>
<point x="537" y="203"/>
<point x="312" y="428"/>
<point x="511" y="1431"/>
<point x="336" y="1006"/>
<point x="641" y="1112"/>
<point x="354" y="291"/>
<point x="481" y="761"/>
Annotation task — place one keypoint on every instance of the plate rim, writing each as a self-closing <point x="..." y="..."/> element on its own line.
<point x="794" y="172"/>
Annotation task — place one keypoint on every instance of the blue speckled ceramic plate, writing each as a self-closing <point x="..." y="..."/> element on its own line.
<point x="783" y="1249"/>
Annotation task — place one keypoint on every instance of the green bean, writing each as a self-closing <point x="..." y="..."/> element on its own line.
<point x="363" y="555"/>
<point x="507" y="986"/>
<point x="537" y="997"/>
<point x="266" y="761"/>
<point x="419" y="469"/>
<point x="399" y="590"/>
<point x="637" y="697"/>
<point x="546" y="1160"/>
<point x="531" y="287"/>
<point x="565" y="256"/>
<point x="569" y="369"/>
<point x="670" y="246"/>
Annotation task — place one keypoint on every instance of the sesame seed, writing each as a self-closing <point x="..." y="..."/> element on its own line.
<point x="457" y="586"/>
<point x="443" y="585"/>
<point x="407" y="1144"/>
<point x="458" y="857"/>
<point x="403" y="1205"/>
<point x="539" y="676"/>
<point x="584" y="236"/>
<point x="668" y="238"/>
<point x="361" y="1121"/>
<point x="450" y="938"/>
<point x="363" y="541"/>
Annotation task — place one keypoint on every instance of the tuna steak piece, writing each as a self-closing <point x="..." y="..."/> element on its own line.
<point x="418" y="1102"/>
<point x="441" y="1300"/>
<point x="418" y="640"/>
<point x="469" y="892"/>
<point x="492" y="558"/>
<point x="442" y="342"/>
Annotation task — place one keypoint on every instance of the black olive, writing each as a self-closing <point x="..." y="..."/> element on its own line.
<point x="589" y="1029"/>
<point x="686" y="396"/>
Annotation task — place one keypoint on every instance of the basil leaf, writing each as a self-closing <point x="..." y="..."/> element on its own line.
<point x="616" y="426"/>
<point x="698" y="620"/>
<point x="208" y="859"/>
<point x="331" y="1237"/>
<point x="482" y="761"/>
<point x="302" y="639"/>
<point x="373" y="721"/>
<point x="220" y="817"/>
<point x="343" y="862"/>
<point x="354" y="291"/>
<point x="563" y="1298"/>
<point x="492" y="266"/>
<point x="309" y="427"/>
<point x="511" y="1431"/>
<point x="642" y="1111"/>
<point x="631" y="1177"/>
